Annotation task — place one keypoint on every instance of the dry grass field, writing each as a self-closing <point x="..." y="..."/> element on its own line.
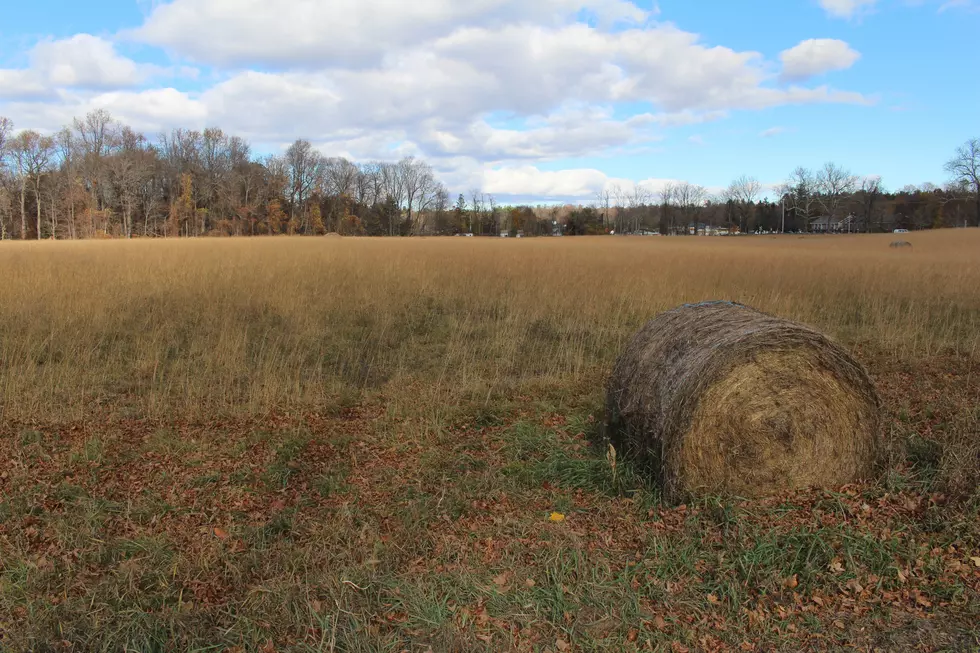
<point x="326" y="444"/>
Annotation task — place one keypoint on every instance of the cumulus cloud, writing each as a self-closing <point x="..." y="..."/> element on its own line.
<point x="485" y="84"/>
<point x="22" y="85"/>
<point x="84" y="61"/>
<point x="816" y="57"/>
<point x="342" y="33"/>
<point x="573" y="185"/>
<point x="847" y="8"/>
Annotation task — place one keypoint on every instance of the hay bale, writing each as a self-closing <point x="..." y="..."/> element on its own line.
<point x="900" y="243"/>
<point x="720" y="398"/>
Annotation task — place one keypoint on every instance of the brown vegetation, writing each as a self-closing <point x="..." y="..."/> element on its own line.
<point x="344" y="444"/>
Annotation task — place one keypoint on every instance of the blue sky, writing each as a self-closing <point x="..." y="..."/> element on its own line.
<point x="550" y="100"/>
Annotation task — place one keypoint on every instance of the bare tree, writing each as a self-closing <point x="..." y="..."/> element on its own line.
<point x="97" y="134"/>
<point x="6" y="127"/>
<point x="306" y="167"/>
<point x="834" y="184"/>
<point x="803" y="194"/>
<point x="744" y="191"/>
<point x="476" y="201"/>
<point x="418" y="183"/>
<point x="871" y="192"/>
<point x="666" y="212"/>
<point x="341" y="177"/>
<point x="33" y="154"/>
<point x="604" y="200"/>
<point x="965" y="170"/>
<point x="690" y="198"/>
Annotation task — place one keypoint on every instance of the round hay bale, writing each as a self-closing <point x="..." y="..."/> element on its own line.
<point x="900" y="243"/>
<point x="719" y="398"/>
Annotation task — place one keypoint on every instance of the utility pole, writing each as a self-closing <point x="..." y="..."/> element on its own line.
<point x="782" y="228"/>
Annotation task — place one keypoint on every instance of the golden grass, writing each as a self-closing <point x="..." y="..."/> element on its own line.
<point x="469" y="374"/>
<point x="199" y="327"/>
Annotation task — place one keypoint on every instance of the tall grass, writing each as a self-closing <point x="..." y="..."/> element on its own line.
<point x="148" y="328"/>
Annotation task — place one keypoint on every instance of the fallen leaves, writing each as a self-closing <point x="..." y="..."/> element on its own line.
<point x="557" y="517"/>
<point x="220" y="533"/>
<point x="975" y="560"/>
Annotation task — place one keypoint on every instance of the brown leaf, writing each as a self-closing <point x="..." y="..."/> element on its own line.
<point x="839" y="624"/>
<point x="220" y="533"/>
<point x="713" y="599"/>
<point x="659" y="622"/>
<point x="502" y="579"/>
<point x="976" y="561"/>
<point x="632" y="635"/>
<point x="562" y="645"/>
<point x="791" y="582"/>
<point x="530" y="582"/>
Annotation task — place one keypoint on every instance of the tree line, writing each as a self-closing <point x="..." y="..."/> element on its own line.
<point x="827" y="200"/>
<point x="99" y="178"/>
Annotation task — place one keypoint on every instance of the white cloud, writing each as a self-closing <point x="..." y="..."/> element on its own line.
<point x="529" y="181"/>
<point x="147" y="111"/>
<point x="696" y="139"/>
<point x="343" y="33"/>
<point x="498" y="84"/>
<point x="572" y="185"/>
<point x="22" y="85"/>
<point x="816" y="57"/>
<point x="772" y="131"/>
<point x="84" y="61"/>
<point x="847" y="8"/>
<point x="81" y="62"/>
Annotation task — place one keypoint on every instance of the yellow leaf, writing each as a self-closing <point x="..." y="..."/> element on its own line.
<point x="557" y="516"/>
